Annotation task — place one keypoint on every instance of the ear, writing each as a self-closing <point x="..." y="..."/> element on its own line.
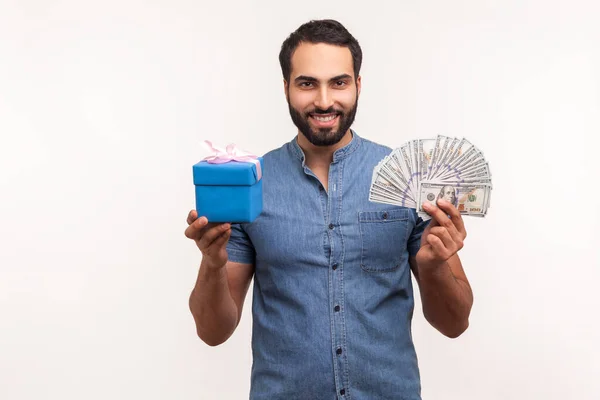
<point x="286" y="88"/>
<point x="358" y="85"/>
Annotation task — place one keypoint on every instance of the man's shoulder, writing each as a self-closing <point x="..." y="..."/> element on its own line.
<point x="374" y="149"/>
<point x="371" y="144"/>
<point x="278" y="162"/>
<point x="282" y="151"/>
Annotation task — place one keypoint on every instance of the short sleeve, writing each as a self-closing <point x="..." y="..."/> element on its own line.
<point x="239" y="247"/>
<point x="414" y="241"/>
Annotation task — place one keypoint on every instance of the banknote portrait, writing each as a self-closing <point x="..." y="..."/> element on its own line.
<point x="448" y="193"/>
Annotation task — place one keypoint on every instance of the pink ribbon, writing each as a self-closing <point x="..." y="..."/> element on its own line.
<point x="231" y="153"/>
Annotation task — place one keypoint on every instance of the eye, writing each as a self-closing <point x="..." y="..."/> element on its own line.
<point x="340" y="83"/>
<point x="306" y="84"/>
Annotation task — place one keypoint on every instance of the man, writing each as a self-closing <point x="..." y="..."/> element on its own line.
<point x="333" y="299"/>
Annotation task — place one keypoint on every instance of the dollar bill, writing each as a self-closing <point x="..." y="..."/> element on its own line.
<point x="425" y="154"/>
<point x="447" y="152"/>
<point x="471" y="199"/>
<point x="434" y="155"/>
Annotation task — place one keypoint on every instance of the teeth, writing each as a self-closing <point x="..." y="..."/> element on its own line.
<point x="324" y="119"/>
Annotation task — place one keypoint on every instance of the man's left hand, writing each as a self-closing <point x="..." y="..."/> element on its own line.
<point x="443" y="237"/>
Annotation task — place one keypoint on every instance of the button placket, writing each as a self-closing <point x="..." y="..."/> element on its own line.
<point x="336" y="288"/>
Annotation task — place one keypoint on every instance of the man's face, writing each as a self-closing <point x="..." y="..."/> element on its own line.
<point x="322" y="93"/>
<point x="448" y="194"/>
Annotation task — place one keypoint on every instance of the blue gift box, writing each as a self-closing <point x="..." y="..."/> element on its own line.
<point x="228" y="192"/>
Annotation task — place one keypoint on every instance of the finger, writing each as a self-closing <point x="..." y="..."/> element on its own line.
<point x="211" y="234"/>
<point x="210" y="243"/>
<point x="220" y="241"/>
<point x="196" y="228"/>
<point x="455" y="216"/>
<point x="445" y="237"/>
<point x="438" y="247"/>
<point x="192" y="216"/>
<point x="442" y="219"/>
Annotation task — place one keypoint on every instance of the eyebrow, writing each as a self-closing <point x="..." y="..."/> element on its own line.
<point x="312" y="79"/>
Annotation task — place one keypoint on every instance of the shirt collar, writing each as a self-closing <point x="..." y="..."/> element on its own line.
<point x="339" y="154"/>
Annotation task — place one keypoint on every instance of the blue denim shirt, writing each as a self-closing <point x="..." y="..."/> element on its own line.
<point x="333" y="298"/>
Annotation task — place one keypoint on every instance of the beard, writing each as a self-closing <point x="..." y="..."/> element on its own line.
<point x="323" y="136"/>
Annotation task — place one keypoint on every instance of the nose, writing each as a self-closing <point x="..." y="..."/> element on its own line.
<point x="324" y="99"/>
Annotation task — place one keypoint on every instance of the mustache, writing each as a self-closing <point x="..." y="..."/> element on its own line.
<point x="330" y="110"/>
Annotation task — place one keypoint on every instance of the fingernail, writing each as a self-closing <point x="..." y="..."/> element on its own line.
<point x="426" y="206"/>
<point x="442" y="202"/>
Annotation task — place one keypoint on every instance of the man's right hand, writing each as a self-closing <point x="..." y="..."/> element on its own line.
<point x="211" y="239"/>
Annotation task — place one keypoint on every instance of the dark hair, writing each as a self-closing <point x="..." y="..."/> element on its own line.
<point x="319" y="31"/>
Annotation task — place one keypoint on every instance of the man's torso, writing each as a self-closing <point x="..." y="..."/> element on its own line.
<point x="333" y="298"/>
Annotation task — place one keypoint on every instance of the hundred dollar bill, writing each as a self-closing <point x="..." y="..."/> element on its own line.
<point x="404" y="169"/>
<point x="391" y="173"/>
<point x="469" y="155"/>
<point x="405" y="158"/>
<point x="376" y="172"/>
<point x="447" y="152"/>
<point x="385" y="183"/>
<point x="437" y="148"/>
<point x="383" y="191"/>
<point x="482" y="173"/>
<point x="425" y="154"/>
<point x="445" y="144"/>
<point x="397" y="164"/>
<point x="462" y="147"/>
<point x="469" y="199"/>
<point x="389" y="184"/>
<point x="414" y="149"/>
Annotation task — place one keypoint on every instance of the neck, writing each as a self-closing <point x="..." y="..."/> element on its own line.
<point x="321" y="155"/>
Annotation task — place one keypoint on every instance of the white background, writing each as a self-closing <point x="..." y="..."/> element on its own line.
<point x="103" y="107"/>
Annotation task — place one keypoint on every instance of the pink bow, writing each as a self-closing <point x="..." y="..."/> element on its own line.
<point x="231" y="153"/>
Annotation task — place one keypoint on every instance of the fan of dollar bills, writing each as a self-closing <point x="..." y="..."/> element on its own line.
<point x="428" y="169"/>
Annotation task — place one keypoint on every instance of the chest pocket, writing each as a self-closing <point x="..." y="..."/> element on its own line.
<point x="383" y="236"/>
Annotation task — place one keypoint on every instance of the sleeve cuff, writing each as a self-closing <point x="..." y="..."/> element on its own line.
<point x="239" y="256"/>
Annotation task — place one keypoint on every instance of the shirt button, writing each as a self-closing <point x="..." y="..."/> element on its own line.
<point x="331" y="226"/>
<point x="334" y="267"/>
<point x="342" y="392"/>
<point x="338" y="351"/>
<point x="336" y="308"/>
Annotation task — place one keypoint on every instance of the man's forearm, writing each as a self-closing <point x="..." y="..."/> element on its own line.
<point x="446" y="300"/>
<point x="212" y="306"/>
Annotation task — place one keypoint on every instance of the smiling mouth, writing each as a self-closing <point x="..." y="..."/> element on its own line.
<point x="324" y="117"/>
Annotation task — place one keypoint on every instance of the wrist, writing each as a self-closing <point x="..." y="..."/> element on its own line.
<point x="433" y="269"/>
<point x="209" y="272"/>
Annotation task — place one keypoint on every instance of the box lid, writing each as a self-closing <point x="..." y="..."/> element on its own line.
<point x="227" y="174"/>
